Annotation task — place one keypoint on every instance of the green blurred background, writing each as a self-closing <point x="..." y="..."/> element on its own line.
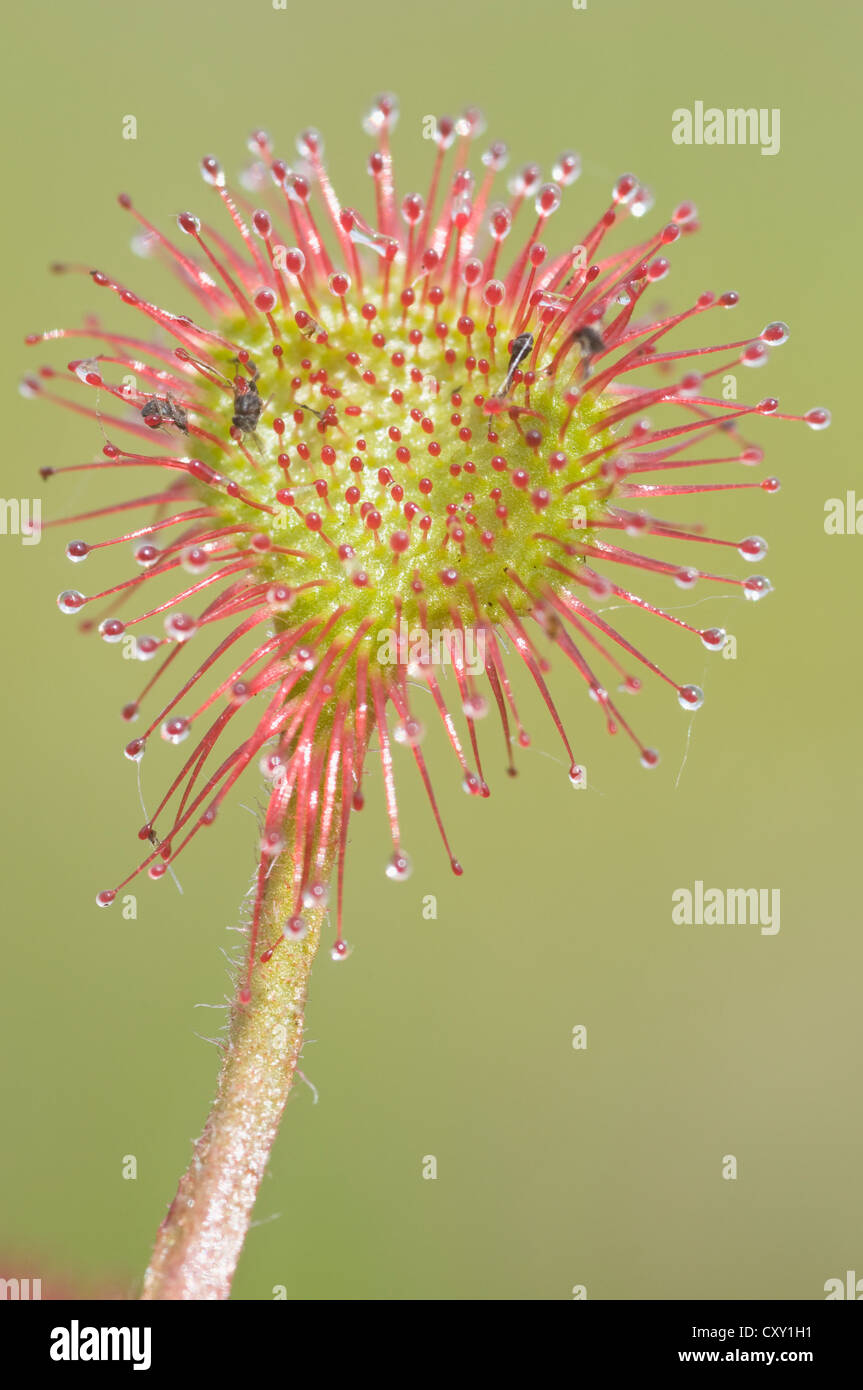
<point x="452" y="1037"/>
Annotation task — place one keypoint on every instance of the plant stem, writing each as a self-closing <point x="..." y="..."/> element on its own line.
<point x="201" y="1238"/>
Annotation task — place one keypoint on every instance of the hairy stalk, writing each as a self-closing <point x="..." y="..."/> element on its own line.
<point x="201" y="1238"/>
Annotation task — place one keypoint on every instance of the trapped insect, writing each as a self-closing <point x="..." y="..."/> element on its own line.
<point x="521" y="346"/>
<point x="591" y="342"/>
<point x="159" y="412"/>
<point x="247" y="401"/>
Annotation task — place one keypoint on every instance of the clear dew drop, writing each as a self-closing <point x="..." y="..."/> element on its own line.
<point x="691" y="385"/>
<point x="818" y="418"/>
<point x="461" y="205"/>
<point x="714" y="638"/>
<point x="106" y="897"/>
<point x="280" y="598"/>
<point x="409" y="732"/>
<point x="88" y="372"/>
<point x="70" y="601"/>
<point x="175" y="730"/>
<point x="524" y="182"/>
<point x="548" y="299"/>
<point x="471" y="123"/>
<point x="578" y="776"/>
<point x="499" y="222"/>
<point x="272" y="843"/>
<point x="258" y="142"/>
<point x="547" y="200"/>
<point x="642" y="201"/>
<point x="625" y="188"/>
<point x="143" y="245"/>
<point x="180" y="626"/>
<point x="384" y="246"/>
<point x="271" y="766"/>
<point x="316" y="895"/>
<point x="756" y="588"/>
<point x="303" y="659"/>
<point x="295" y="928"/>
<point x="254" y="177"/>
<point x="475" y="707"/>
<point x="76" y="551"/>
<point x="649" y="758"/>
<point x="112" y="630"/>
<point x="690" y="697"/>
<point x="566" y="168"/>
<point x="496" y="157"/>
<point x="340" y="951"/>
<point x="685" y="214"/>
<point x="310" y="143"/>
<point x="384" y="113"/>
<point x="776" y="333"/>
<point x="754" y="355"/>
<point x="211" y="172"/>
<point x="135" y="750"/>
<point x="400" y="867"/>
<point x="195" y="559"/>
<point x="753" y="548"/>
<point x="339" y="283"/>
<point x="686" y="578"/>
<point x="146" y="556"/>
<point x="146" y="648"/>
<point x="413" y="208"/>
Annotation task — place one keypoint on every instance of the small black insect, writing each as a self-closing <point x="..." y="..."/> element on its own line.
<point x="521" y="346"/>
<point x="247" y="401"/>
<point x="158" y="412"/>
<point x="590" y="342"/>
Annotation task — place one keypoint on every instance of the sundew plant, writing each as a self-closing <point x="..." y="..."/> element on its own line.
<point x="392" y="455"/>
